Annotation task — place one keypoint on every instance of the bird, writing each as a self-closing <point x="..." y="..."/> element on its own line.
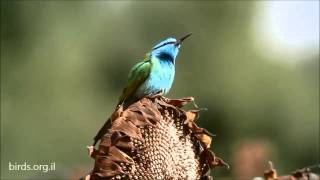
<point x="153" y="75"/>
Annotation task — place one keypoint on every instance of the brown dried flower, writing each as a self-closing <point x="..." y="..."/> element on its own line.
<point x="154" y="139"/>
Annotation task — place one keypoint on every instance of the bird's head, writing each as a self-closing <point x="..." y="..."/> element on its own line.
<point x="168" y="49"/>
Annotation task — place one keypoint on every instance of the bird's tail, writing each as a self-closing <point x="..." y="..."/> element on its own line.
<point x="102" y="131"/>
<point x="124" y="103"/>
<point x="107" y="125"/>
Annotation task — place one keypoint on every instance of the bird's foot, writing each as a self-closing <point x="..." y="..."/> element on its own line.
<point x="158" y="94"/>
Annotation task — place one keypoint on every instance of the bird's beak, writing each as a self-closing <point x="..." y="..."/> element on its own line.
<point x="182" y="39"/>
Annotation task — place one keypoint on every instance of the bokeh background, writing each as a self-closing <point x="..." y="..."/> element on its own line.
<point x="253" y="65"/>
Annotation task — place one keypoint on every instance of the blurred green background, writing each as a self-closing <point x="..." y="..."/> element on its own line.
<point x="64" y="64"/>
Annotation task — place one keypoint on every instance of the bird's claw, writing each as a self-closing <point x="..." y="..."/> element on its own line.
<point x="156" y="95"/>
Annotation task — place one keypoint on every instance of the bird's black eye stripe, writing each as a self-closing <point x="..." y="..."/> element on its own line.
<point x="172" y="42"/>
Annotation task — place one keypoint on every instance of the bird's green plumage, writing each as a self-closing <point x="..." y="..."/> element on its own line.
<point x="138" y="74"/>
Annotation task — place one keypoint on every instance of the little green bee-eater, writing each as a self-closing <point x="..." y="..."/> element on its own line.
<point x="152" y="75"/>
<point x="155" y="73"/>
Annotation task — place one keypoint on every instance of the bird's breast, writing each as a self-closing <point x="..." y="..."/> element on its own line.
<point x="161" y="77"/>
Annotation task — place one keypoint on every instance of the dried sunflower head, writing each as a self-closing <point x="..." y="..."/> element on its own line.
<point x="154" y="139"/>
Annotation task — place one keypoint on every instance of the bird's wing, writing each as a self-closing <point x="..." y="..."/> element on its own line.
<point x="138" y="74"/>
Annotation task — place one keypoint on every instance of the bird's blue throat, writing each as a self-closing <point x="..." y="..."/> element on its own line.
<point x="166" y="57"/>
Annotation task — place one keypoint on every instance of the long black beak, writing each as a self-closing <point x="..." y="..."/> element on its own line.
<point x="182" y="39"/>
